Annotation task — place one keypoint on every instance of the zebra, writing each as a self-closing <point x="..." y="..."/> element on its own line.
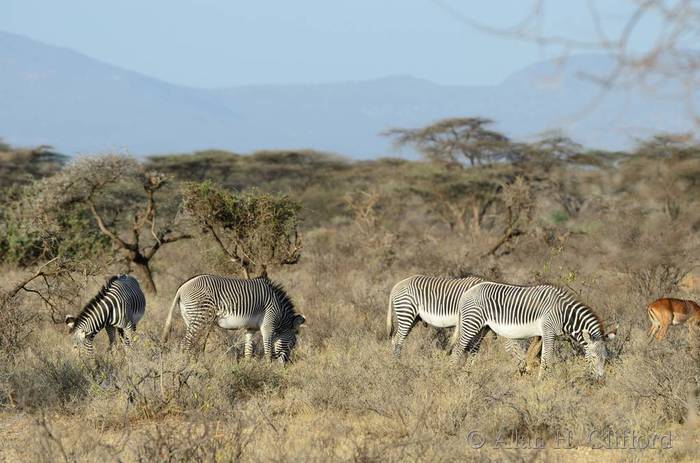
<point x="434" y="300"/>
<point x="117" y="307"/>
<point x="519" y="312"/>
<point x="258" y="304"/>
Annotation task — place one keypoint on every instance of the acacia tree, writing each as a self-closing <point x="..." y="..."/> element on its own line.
<point x="455" y="141"/>
<point x="19" y="166"/>
<point x="119" y="198"/>
<point x="557" y="146"/>
<point x="667" y="145"/>
<point x="254" y="230"/>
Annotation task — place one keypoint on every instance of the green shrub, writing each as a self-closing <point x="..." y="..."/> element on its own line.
<point x="559" y="217"/>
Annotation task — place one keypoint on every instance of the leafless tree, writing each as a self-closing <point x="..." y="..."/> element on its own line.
<point x="106" y="188"/>
<point x="667" y="57"/>
<point x="363" y="205"/>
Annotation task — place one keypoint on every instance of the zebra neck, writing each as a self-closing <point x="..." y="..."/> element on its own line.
<point x="579" y="318"/>
<point x="286" y="319"/>
<point x="93" y="318"/>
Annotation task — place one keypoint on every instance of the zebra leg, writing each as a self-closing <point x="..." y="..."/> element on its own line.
<point x="248" y="350"/>
<point x="198" y="321"/>
<point x="515" y="348"/>
<point x="112" y="335"/>
<point x="403" y="327"/>
<point x="471" y="332"/>
<point x="88" y="346"/>
<point x="128" y="334"/>
<point x="547" y="349"/>
<point x="267" y="342"/>
<point x="191" y="335"/>
<point x="475" y="344"/>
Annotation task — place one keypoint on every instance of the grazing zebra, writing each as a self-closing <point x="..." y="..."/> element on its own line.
<point x="433" y="300"/>
<point x="256" y="305"/>
<point x="519" y="312"/>
<point x="118" y="306"/>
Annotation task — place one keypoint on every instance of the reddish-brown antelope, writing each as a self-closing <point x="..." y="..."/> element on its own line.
<point x="665" y="312"/>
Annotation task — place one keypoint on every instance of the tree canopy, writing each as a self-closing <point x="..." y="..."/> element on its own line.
<point x="455" y="140"/>
<point x="254" y="230"/>
<point x="113" y="199"/>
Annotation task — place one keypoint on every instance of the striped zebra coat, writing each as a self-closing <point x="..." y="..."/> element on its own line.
<point x="431" y="299"/>
<point x="254" y="305"/>
<point x="117" y="308"/>
<point x="519" y="312"/>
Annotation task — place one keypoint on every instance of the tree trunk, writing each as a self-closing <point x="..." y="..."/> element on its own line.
<point x="508" y="233"/>
<point x="476" y="219"/>
<point x="143" y="271"/>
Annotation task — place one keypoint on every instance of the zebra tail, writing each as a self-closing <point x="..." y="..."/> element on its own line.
<point x="390" y="318"/>
<point x="169" y="320"/>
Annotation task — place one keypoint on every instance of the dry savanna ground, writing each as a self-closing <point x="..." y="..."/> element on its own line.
<point x="345" y="397"/>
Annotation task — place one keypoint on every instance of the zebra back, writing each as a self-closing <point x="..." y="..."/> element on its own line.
<point x="524" y="303"/>
<point x="436" y="294"/>
<point x="442" y="292"/>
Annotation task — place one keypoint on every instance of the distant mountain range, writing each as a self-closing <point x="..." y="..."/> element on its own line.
<point x="55" y="96"/>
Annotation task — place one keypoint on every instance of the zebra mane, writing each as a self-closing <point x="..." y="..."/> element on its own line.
<point x="599" y="320"/>
<point x="580" y="306"/>
<point x="100" y="294"/>
<point x="281" y="295"/>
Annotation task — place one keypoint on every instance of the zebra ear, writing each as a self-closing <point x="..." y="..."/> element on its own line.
<point x="70" y="321"/>
<point x="298" y="321"/>
<point x="613" y="332"/>
<point x="586" y="336"/>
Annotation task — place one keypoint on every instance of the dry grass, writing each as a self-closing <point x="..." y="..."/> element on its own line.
<point x="345" y="397"/>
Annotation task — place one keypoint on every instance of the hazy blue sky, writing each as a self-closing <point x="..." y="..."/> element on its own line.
<point x="210" y="43"/>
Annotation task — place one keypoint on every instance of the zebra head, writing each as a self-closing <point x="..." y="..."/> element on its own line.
<point x="81" y="337"/>
<point x="284" y="341"/>
<point x="596" y="351"/>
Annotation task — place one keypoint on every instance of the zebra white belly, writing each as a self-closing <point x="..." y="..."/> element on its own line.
<point x="232" y="322"/>
<point x="438" y="321"/>
<point x="513" y="331"/>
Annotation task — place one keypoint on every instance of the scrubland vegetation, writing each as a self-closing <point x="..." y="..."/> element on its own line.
<point x="617" y="229"/>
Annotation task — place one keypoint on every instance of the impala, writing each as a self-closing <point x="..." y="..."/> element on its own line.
<point x="666" y="312"/>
